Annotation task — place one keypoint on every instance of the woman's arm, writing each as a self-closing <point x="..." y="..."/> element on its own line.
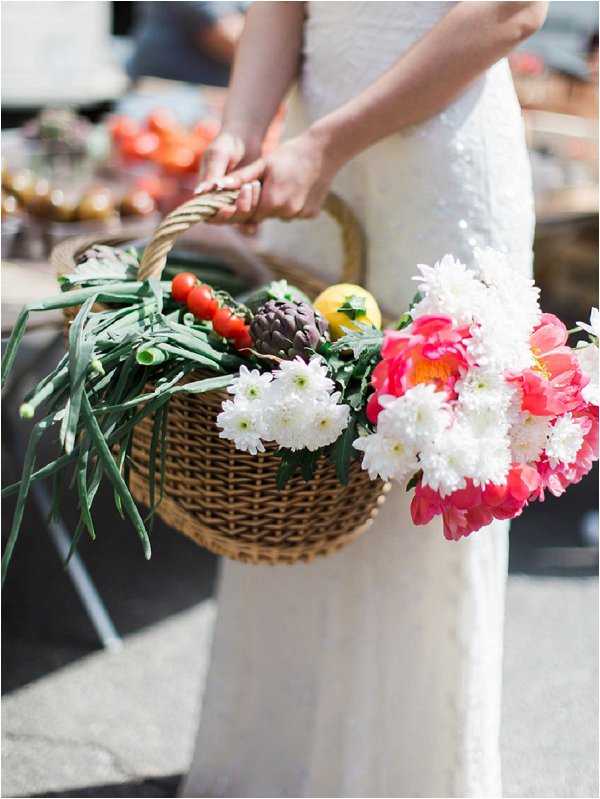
<point x="265" y="66"/>
<point x="466" y="41"/>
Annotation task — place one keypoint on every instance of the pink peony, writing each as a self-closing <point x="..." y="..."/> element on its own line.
<point x="553" y="386"/>
<point x="430" y="350"/>
<point x="472" y="508"/>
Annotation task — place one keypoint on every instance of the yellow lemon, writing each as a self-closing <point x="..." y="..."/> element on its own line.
<point x="343" y="305"/>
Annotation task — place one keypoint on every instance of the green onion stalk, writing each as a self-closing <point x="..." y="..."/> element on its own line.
<point x="123" y="364"/>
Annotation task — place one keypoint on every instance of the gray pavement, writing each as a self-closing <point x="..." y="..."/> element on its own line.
<point x="108" y="723"/>
<point x="78" y="721"/>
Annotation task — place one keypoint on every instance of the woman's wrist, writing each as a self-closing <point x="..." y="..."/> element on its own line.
<point x="335" y="148"/>
<point x="250" y="134"/>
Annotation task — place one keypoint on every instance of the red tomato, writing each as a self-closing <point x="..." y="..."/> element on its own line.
<point x="235" y="327"/>
<point x="181" y="286"/>
<point x="221" y="321"/>
<point x="202" y="302"/>
<point x="244" y="340"/>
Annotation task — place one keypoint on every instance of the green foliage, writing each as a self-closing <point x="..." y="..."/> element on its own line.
<point x="353" y="306"/>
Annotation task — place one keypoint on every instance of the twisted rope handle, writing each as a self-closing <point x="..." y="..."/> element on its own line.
<point x="204" y="206"/>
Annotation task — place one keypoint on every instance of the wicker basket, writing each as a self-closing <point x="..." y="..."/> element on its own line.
<point x="225" y="500"/>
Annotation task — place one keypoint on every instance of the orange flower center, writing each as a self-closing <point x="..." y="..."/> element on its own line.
<point x="427" y="371"/>
<point x="539" y="365"/>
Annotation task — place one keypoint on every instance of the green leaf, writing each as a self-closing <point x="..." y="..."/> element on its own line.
<point x="113" y="473"/>
<point x="412" y="483"/>
<point x="403" y="321"/>
<point x="80" y="354"/>
<point x="343" y="450"/>
<point x="366" y="337"/>
<point x="353" y="306"/>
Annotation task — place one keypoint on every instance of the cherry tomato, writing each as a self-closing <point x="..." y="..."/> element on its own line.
<point x="235" y="327"/>
<point x="202" y="302"/>
<point x="243" y="341"/>
<point x="221" y="321"/>
<point x="181" y="286"/>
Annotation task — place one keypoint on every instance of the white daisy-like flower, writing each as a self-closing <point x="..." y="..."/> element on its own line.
<point x="448" y="288"/>
<point x="481" y="390"/>
<point x="418" y="416"/>
<point x="587" y="355"/>
<point x="508" y="312"/>
<point x="241" y="422"/>
<point x="593" y="328"/>
<point x="449" y="460"/>
<point x="287" y="419"/>
<point x="327" y="422"/>
<point x="493" y="460"/>
<point x="564" y="440"/>
<point x="528" y="435"/>
<point x="250" y="385"/>
<point x="308" y="380"/>
<point x="499" y="342"/>
<point x="388" y="458"/>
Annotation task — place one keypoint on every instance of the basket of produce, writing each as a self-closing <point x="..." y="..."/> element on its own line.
<point x="267" y="429"/>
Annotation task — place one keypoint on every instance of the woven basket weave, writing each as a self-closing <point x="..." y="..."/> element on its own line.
<point x="225" y="500"/>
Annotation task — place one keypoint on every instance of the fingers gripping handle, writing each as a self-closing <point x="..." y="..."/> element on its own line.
<point x="202" y="207"/>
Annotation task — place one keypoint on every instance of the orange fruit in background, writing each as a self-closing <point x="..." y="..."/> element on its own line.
<point x="144" y="145"/>
<point x="161" y="120"/>
<point x="151" y="184"/>
<point x="177" y="160"/>
<point x="123" y="128"/>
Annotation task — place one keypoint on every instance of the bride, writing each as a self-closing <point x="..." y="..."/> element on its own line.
<point x="375" y="671"/>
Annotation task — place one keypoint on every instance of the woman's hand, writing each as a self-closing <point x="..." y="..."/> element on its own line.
<point x="295" y="180"/>
<point x="226" y="152"/>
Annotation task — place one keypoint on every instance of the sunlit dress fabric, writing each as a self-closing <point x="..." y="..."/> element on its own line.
<point x="377" y="671"/>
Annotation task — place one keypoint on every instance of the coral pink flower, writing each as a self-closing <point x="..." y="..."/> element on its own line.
<point x="471" y="508"/>
<point x="558" y="479"/>
<point x="553" y="386"/>
<point x="430" y="350"/>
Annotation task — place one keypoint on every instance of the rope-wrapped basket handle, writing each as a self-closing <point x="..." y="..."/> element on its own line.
<point x="204" y="206"/>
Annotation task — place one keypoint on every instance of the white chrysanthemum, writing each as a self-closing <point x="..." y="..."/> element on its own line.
<point x="241" y="422"/>
<point x="482" y="390"/>
<point x="499" y="342"/>
<point x="450" y="459"/>
<point x="448" y="288"/>
<point x="418" y="416"/>
<point x="308" y="380"/>
<point x="327" y="422"/>
<point x="593" y="328"/>
<point x="493" y="459"/>
<point x="507" y="314"/>
<point x="587" y="355"/>
<point x="286" y="421"/>
<point x="388" y="458"/>
<point x="250" y="385"/>
<point x="564" y="440"/>
<point x="528" y="435"/>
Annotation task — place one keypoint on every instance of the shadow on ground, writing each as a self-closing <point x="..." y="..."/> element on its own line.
<point x="160" y="786"/>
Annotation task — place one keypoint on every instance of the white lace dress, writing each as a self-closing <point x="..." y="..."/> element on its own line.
<point x="377" y="671"/>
